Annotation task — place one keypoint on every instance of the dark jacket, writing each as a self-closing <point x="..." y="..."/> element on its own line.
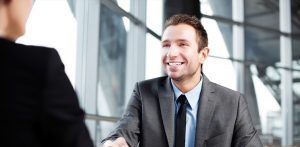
<point x="38" y="105"/>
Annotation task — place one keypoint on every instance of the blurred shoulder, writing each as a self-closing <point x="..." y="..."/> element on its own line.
<point x="11" y="48"/>
<point x="27" y="56"/>
<point x="158" y="80"/>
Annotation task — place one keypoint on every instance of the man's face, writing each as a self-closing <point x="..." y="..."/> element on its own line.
<point x="180" y="57"/>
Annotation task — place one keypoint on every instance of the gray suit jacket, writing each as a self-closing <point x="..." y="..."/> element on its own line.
<point x="223" y="119"/>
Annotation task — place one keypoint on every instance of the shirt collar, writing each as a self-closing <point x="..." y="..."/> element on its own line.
<point x="192" y="96"/>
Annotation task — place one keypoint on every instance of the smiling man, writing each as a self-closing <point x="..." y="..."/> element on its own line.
<point x="184" y="108"/>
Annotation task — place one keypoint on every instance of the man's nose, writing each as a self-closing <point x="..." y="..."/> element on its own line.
<point x="173" y="51"/>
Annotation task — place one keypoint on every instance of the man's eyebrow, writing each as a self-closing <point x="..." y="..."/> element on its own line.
<point x="182" y="40"/>
<point x="165" y="41"/>
<point x="178" y="40"/>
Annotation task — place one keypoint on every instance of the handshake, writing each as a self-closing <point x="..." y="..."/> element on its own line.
<point x="119" y="142"/>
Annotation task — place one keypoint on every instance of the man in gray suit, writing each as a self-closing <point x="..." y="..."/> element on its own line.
<point x="184" y="108"/>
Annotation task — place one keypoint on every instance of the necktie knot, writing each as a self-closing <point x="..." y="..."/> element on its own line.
<point x="182" y="99"/>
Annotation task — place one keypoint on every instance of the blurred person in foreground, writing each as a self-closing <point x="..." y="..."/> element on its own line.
<point x="38" y="105"/>
<point x="184" y="109"/>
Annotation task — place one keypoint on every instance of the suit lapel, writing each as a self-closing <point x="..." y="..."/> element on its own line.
<point x="166" y="102"/>
<point x="205" y="111"/>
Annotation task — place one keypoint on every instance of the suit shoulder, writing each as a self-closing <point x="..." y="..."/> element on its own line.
<point x="29" y="51"/>
<point x="224" y="96"/>
<point x="152" y="81"/>
<point x="151" y="85"/>
<point x="229" y="92"/>
<point x="39" y="49"/>
<point x="29" y="56"/>
<point x="39" y="52"/>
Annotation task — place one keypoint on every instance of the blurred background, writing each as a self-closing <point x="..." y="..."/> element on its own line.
<point x="108" y="45"/>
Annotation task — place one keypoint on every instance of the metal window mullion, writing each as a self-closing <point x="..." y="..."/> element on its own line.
<point x="80" y="53"/>
<point x="136" y="48"/>
<point x="87" y="16"/>
<point x="239" y="43"/>
<point x="286" y="75"/>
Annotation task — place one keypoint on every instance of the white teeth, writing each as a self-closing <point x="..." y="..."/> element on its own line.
<point x="177" y="63"/>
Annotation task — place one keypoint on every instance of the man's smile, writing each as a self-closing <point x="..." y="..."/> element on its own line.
<point x="175" y="63"/>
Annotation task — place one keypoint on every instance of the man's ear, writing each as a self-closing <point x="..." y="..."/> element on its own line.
<point x="203" y="54"/>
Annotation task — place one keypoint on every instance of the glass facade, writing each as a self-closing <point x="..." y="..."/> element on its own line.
<point x="217" y="8"/>
<point x="124" y="4"/>
<point x="295" y="13"/>
<point x="111" y="68"/>
<point x="262" y="54"/>
<point x="258" y="11"/>
<point x="112" y="63"/>
<point x="153" y="52"/>
<point x="296" y="102"/>
<point x="219" y="38"/>
<point x="154" y="15"/>
<point x="262" y="47"/>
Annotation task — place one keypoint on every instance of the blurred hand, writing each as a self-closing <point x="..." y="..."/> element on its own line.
<point x="119" y="142"/>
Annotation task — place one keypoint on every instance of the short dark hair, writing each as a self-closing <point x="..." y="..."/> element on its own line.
<point x="192" y="21"/>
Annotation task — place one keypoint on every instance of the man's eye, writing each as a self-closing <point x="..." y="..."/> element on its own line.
<point x="165" y="45"/>
<point x="182" y="44"/>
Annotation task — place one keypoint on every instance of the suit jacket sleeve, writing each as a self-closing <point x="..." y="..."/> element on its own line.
<point x="129" y="125"/>
<point x="63" y="119"/>
<point x="244" y="132"/>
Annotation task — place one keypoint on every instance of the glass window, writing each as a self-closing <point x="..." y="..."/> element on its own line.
<point x="295" y="33"/>
<point x="262" y="46"/>
<point x="265" y="89"/>
<point x="220" y="71"/>
<point x="219" y="37"/>
<point x="124" y="4"/>
<point x="153" y="57"/>
<point x="111" y="63"/>
<point x="262" y="82"/>
<point x="216" y="7"/>
<point x="296" y="98"/>
<point x="154" y="15"/>
<point x="263" y="13"/>
<point x="295" y="11"/>
<point x="296" y="52"/>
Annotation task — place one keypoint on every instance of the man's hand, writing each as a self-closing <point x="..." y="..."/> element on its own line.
<point x="119" y="142"/>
